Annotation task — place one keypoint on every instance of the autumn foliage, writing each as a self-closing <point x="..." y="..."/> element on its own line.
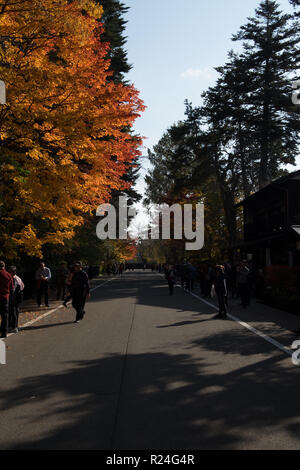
<point x="65" y="130"/>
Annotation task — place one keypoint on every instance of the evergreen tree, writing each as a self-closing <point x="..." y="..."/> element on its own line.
<point x="245" y="131"/>
<point x="182" y="173"/>
<point x="114" y="29"/>
<point x="271" y="54"/>
<point x="114" y="33"/>
<point x="227" y="142"/>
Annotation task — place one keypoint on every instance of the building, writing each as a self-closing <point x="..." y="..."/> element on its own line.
<point x="272" y="224"/>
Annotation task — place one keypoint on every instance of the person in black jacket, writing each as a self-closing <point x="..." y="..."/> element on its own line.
<point x="221" y="290"/>
<point x="80" y="290"/>
<point x="171" y="278"/>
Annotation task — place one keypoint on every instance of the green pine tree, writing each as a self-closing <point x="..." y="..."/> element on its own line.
<point x="271" y="55"/>
<point x="114" y="33"/>
<point x="115" y="25"/>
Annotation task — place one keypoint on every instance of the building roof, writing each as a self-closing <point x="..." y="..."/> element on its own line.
<point x="278" y="182"/>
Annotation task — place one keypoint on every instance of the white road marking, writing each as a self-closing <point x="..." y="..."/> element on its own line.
<point x="244" y="324"/>
<point x="249" y="327"/>
<point x="267" y="338"/>
<point x="103" y="284"/>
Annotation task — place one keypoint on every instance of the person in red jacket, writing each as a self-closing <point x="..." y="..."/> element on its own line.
<point x="6" y="286"/>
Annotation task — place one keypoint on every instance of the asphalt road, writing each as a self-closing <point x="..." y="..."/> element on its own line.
<point x="147" y="371"/>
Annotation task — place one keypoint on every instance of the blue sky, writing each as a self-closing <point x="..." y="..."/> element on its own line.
<point x="174" y="46"/>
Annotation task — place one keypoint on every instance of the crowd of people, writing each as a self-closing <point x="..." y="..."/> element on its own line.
<point x="220" y="281"/>
<point x="72" y="283"/>
<point x="11" y="288"/>
<point x="115" y="269"/>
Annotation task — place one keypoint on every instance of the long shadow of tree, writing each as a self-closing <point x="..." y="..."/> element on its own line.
<point x="164" y="402"/>
<point x="152" y="289"/>
<point x="149" y="289"/>
<point x="159" y="400"/>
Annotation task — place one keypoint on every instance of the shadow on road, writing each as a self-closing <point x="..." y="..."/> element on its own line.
<point x="152" y="289"/>
<point x="158" y="400"/>
<point x="167" y="402"/>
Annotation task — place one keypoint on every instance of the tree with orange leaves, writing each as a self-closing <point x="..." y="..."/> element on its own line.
<point x="63" y="144"/>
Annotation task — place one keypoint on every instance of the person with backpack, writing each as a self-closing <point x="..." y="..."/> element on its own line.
<point x="15" y="299"/>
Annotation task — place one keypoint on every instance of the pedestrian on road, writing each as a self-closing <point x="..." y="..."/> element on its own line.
<point x="121" y="268"/>
<point x="243" y="282"/>
<point x="208" y="280"/>
<point x="61" y="276"/>
<point x="115" y="269"/>
<point x="15" y="299"/>
<point x="183" y="274"/>
<point x="202" y="279"/>
<point x="232" y="280"/>
<point x="220" y="286"/>
<point x="80" y="290"/>
<point x="6" y="286"/>
<point x="69" y="278"/>
<point x="191" y="277"/>
<point x="43" y="276"/>
<point x="171" y="278"/>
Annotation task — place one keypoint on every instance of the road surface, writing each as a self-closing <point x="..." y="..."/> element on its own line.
<point x="148" y="371"/>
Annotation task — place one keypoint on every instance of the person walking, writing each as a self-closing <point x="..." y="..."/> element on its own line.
<point x="171" y="278"/>
<point x="61" y="276"/>
<point x="191" y="277"/>
<point x="122" y="268"/>
<point x="233" y="281"/>
<point x="183" y="274"/>
<point x="208" y="280"/>
<point x="15" y="299"/>
<point x="69" y="278"/>
<point x="80" y="290"/>
<point x="220" y="287"/>
<point x="202" y="280"/>
<point x="243" y="283"/>
<point x="43" y="276"/>
<point x="6" y="287"/>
